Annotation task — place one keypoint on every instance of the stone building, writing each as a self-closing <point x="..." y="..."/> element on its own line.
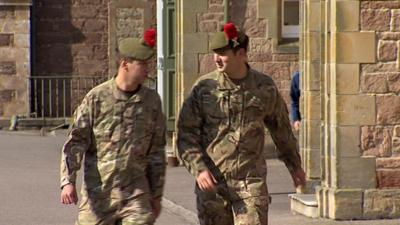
<point x="350" y="56"/>
<point x="348" y="52"/>
<point x="53" y="52"/>
<point x="14" y="57"/>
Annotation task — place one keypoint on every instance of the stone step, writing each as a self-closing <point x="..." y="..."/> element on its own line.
<point x="304" y="204"/>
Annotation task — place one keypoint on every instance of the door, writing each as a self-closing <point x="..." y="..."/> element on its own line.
<point x="169" y="33"/>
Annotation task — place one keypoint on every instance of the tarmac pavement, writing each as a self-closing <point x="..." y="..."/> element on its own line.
<point x="29" y="187"/>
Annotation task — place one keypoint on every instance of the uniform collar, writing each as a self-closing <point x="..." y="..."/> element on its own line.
<point x="225" y="83"/>
<point x="119" y="95"/>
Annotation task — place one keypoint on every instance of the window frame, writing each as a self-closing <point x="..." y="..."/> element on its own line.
<point x="288" y="31"/>
<point x="272" y="11"/>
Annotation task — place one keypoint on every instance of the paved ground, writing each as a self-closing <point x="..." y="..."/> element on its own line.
<point x="29" y="187"/>
<point x="29" y="190"/>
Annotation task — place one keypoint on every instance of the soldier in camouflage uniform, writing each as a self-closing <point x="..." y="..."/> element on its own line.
<point x="119" y="132"/>
<point x="221" y="136"/>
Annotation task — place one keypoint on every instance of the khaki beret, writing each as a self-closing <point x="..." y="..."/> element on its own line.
<point x="138" y="48"/>
<point x="229" y="38"/>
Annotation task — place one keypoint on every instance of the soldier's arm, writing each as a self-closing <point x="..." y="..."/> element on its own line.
<point x="78" y="141"/>
<point x="189" y="135"/>
<point x="156" y="166"/>
<point x="279" y="126"/>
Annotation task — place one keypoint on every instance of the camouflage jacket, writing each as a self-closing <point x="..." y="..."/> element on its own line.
<point x="221" y="127"/>
<point x="122" y="140"/>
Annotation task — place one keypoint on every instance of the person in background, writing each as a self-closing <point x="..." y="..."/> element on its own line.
<point x="295" y="97"/>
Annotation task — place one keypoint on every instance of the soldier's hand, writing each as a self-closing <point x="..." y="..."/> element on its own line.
<point x="296" y="125"/>
<point x="68" y="194"/>
<point x="299" y="177"/>
<point x="206" y="181"/>
<point x="156" y="205"/>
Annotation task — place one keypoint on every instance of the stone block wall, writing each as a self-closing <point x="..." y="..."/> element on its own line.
<point x="14" y="59"/>
<point x="382" y="80"/>
<point x="71" y="38"/>
<point x="359" y="99"/>
<point x="129" y="19"/>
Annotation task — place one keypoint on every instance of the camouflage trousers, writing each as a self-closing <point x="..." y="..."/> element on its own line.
<point x="134" y="211"/>
<point x="214" y="210"/>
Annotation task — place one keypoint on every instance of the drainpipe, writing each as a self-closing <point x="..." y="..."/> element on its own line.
<point x="226" y="11"/>
<point x="32" y="46"/>
<point x="160" y="49"/>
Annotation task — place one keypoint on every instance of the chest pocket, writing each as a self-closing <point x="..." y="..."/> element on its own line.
<point x="139" y="128"/>
<point x="213" y="108"/>
<point x="254" y="109"/>
<point x="140" y="120"/>
<point x="104" y="122"/>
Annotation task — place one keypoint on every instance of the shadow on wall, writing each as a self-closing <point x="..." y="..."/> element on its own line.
<point x="237" y="13"/>
<point x="53" y="35"/>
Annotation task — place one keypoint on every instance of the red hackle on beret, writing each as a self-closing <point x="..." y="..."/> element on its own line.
<point x="149" y="37"/>
<point x="230" y="31"/>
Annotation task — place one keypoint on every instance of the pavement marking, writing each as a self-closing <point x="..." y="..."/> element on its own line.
<point x="186" y="214"/>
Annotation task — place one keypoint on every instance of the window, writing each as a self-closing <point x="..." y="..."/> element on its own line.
<point x="283" y="23"/>
<point x="290" y="19"/>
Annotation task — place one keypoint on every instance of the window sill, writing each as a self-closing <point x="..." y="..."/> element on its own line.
<point x="289" y="47"/>
<point x="16" y="3"/>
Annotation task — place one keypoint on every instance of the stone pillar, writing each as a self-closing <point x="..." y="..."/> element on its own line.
<point x="346" y="173"/>
<point x="191" y="42"/>
<point x="311" y="65"/>
<point x="14" y="57"/>
<point x="350" y="60"/>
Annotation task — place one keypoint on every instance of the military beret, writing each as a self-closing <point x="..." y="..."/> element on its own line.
<point x="139" y="48"/>
<point x="229" y="38"/>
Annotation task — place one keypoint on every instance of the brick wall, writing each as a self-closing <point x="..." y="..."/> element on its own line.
<point x="14" y="60"/>
<point x="71" y="38"/>
<point x="382" y="80"/>
<point x="261" y="57"/>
